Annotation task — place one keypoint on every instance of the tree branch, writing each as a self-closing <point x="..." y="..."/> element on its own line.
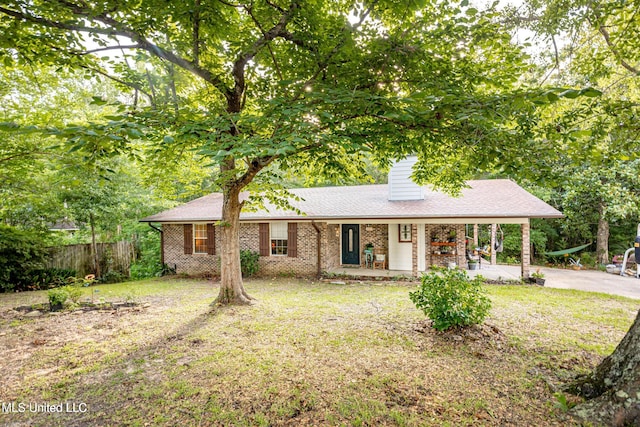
<point x="156" y="50"/>
<point x="116" y="28"/>
<point x="298" y="42"/>
<point x="117" y="80"/>
<point x="196" y="33"/>
<point x="616" y="52"/>
<point x="249" y="10"/>
<point x="23" y="154"/>
<point x="555" y="49"/>
<point x="60" y="25"/>
<point x="136" y="90"/>
<point x="325" y="63"/>
<point x="521" y="19"/>
<point x="275" y="6"/>
<point x="119" y="47"/>
<point x="226" y="3"/>
<point x="235" y="95"/>
<point x="255" y="166"/>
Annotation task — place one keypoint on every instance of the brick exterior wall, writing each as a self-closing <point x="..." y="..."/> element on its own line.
<point x="196" y="264"/>
<point x="331" y="245"/>
<point x="305" y="264"/>
<point x="332" y="251"/>
<point x="441" y="233"/>
<point x="378" y="235"/>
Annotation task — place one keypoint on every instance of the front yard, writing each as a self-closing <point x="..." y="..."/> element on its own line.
<point x="307" y="353"/>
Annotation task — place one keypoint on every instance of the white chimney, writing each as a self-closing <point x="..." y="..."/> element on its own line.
<point x="401" y="187"/>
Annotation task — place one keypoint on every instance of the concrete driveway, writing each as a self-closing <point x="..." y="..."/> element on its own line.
<point x="593" y="281"/>
<point x="583" y="280"/>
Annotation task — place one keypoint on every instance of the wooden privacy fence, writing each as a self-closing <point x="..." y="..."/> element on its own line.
<point x="116" y="257"/>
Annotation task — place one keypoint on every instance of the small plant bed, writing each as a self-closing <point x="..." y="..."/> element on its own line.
<point x="349" y="278"/>
<point x="81" y="306"/>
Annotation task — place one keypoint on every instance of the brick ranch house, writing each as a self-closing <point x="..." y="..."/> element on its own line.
<point x="411" y="226"/>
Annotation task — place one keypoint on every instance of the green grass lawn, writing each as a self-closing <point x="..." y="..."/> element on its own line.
<point x="307" y="353"/>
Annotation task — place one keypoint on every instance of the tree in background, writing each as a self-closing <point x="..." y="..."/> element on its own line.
<point x="27" y="161"/>
<point x="310" y="85"/>
<point x="20" y="252"/>
<point x="43" y="182"/>
<point x="98" y="200"/>
<point x="597" y="157"/>
<point x="602" y="195"/>
<point x="594" y="168"/>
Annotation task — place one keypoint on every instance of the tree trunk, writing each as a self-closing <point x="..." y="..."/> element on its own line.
<point x="602" y="242"/>
<point x="94" y="247"/>
<point x="613" y="388"/>
<point x="231" y="285"/>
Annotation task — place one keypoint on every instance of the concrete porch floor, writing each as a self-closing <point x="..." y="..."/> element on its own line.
<point x="493" y="272"/>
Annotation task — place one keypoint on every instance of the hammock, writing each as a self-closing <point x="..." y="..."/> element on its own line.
<point x="567" y="251"/>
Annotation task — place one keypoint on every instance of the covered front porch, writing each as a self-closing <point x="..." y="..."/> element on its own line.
<point x="410" y="247"/>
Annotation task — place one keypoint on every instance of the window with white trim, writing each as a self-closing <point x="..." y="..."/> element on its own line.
<point x="199" y="238"/>
<point x="279" y="238"/>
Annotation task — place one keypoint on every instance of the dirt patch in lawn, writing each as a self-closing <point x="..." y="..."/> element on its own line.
<point x="32" y="331"/>
<point x="306" y="353"/>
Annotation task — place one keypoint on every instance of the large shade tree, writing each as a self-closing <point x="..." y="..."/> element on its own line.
<point x="597" y="42"/>
<point x="310" y="85"/>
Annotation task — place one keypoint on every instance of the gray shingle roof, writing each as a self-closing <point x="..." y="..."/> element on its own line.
<point x="499" y="198"/>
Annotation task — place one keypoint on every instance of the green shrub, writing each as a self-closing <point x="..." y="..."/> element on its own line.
<point x="249" y="264"/>
<point x="148" y="263"/>
<point x="588" y="259"/>
<point x="144" y="269"/>
<point x="47" y="278"/>
<point x="21" y="251"/>
<point x="449" y="298"/>
<point x="113" y="277"/>
<point x="74" y="292"/>
<point x="57" y="297"/>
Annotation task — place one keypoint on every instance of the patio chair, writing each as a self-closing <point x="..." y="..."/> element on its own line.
<point x="380" y="260"/>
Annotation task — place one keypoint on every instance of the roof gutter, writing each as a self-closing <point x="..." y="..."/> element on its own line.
<point x="318" y="247"/>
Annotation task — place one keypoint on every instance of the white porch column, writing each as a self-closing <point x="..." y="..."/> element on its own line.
<point x="526" y="251"/>
<point x="494" y="229"/>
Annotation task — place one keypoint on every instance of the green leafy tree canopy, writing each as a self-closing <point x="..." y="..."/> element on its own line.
<point x="312" y="85"/>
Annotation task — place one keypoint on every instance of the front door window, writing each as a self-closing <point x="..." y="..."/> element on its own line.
<point x="351" y="244"/>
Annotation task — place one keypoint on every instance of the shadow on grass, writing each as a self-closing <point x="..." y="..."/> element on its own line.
<point x="128" y="388"/>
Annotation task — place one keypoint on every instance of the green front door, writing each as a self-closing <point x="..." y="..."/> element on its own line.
<point x="351" y="244"/>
